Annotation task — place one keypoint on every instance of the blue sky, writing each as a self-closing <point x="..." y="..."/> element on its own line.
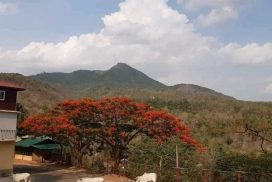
<point x="225" y="45"/>
<point x="50" y="20"/>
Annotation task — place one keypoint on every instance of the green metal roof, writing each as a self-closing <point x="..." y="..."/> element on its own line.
<point x="47" y="146"/>
<point x="37" y="143"/>
<point x="30" y="141"/>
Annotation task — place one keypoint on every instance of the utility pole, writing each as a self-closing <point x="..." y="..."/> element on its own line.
<point x="177" y="165"/>
<point x="160" y="165"/>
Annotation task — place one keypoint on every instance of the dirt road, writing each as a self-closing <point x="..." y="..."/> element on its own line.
<point x="57" y="173"/>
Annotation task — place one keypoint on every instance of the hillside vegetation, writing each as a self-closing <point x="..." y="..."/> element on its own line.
<point x="221" y="122"/>
<point x="38" y="96"/>
<point x="121" y="79"/>
<point x="120" y="75"/>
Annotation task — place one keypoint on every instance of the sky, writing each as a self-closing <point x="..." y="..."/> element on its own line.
<point x="225" y="45"/>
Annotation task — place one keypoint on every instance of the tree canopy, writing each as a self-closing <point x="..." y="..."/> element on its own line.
<point x="112" y="122"/>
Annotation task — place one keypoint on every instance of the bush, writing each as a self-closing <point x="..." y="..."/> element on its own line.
<point x="148" y="156"/>
<point x="251" y="168"/>
<point x="98" y="167"/>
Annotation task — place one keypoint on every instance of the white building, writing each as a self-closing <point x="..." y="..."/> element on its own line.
<point x="8" y="123"/>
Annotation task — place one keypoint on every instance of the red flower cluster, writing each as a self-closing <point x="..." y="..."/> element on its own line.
<point x="49" y="125"/>
<point x="116" y="121"/>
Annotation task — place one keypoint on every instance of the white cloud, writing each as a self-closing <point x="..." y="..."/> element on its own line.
<point x="150" y="36"/>
<point x="216" y="16"/>
<point x="213" y="12"/>
<point x="199" y="4"/>
<point x="268" y="88"/>
<point x="6" y="8"/>
<point x="135" y="34"/>
<point x="250" y="54"/>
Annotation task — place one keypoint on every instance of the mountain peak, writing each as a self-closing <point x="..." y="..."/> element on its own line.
<point x="121" y="66"/>
<point x="119" y="76"/>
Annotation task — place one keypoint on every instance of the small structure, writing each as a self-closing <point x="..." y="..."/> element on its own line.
<point x="8" y="122"/>
<point x="38" y="149"/>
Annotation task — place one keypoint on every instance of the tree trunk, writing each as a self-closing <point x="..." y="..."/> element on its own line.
<point x="80" y="160"/>
<point x="116" y="160"/>
<point x="61" y="153"/>
<point x="116" y="166"/>
<point x="77" y="157"/>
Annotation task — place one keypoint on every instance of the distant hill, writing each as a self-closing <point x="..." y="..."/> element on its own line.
<point x="120" y="75"/>
<point x="38" y="95"/>
<point x="121" y="79"/>
<point x="194" y="90"/>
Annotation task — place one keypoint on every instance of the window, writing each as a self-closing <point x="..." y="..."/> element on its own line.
<point x="2" y="95"/>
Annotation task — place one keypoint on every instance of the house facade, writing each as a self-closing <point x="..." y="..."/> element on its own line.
<point x="8" y="122"/>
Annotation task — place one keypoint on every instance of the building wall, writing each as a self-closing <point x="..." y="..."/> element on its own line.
<point x="10" y="99"/>
<point x="23" y="157"/>
<point x="37" y="156"/>
<point x="6" y="157"/>
<point x="8" y="120"/>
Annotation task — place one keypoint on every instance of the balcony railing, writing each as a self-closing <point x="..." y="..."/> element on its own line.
<point x="7" y="135"/>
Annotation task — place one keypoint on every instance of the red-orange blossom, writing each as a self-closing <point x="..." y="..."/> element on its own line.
<point x="115" y="122"/>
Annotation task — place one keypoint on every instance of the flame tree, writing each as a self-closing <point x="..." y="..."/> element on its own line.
<point x="114" y="122"/>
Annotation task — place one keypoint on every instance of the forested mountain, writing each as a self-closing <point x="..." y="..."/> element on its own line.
<point x="121" y="79"/>
<point x="120" y="75"/>
<point x="219" y="121"/>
